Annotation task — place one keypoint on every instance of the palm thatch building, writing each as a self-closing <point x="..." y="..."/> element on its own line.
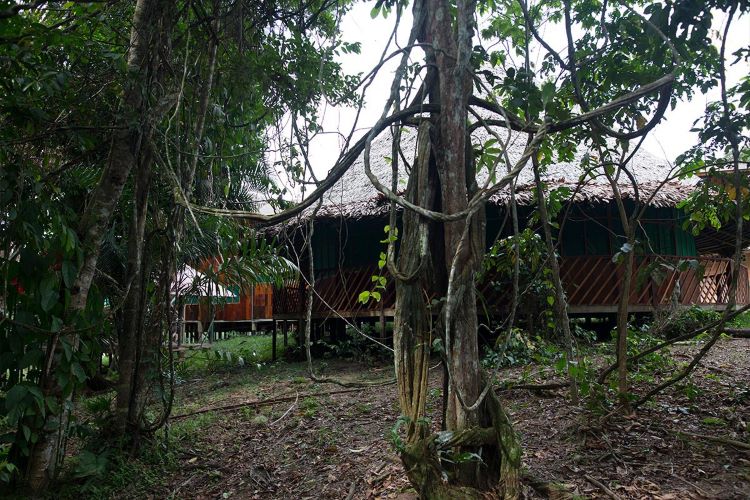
<point x="350" y="221"/>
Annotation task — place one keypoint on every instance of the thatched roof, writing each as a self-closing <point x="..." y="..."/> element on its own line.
<point x="353" y="196"/>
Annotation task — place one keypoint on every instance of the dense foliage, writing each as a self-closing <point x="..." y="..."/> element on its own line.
<point x="216" y="88"/>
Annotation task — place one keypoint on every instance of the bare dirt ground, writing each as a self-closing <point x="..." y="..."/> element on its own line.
<point x="335" y="444"/>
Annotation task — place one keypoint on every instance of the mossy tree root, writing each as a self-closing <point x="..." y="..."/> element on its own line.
<point x="498" y="461"/>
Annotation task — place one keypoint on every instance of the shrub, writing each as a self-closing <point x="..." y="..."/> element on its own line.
<point x="741" y="321"/>
<point x="642" y="338"/>
<point x="581" y="334"/>
<point x="358" y="347"/>
<point x="537" y="293"/>
<point x="684" y="321"/>
<point x="517" y="349"/>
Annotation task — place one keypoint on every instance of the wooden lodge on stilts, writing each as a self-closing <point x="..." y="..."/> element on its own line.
<point x="349" y="230"/>
<point x="348" y="241"/>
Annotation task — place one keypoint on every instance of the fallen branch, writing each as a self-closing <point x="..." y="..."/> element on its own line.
<point x="601" y="486"/>
<point x="743" y="333"/>
<point x="537" y="387"/>
<point x="344" y="383"/>
<point x="717" y="439"/>
<point x="287" y="412"/>
<point x="260" y="402"/>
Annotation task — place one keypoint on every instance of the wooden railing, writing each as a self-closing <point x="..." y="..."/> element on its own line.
<point x="590" y="282"/>
<point x="288" y="299"/>
<point x="335" y="291"/>
<point x="597" y="281"/>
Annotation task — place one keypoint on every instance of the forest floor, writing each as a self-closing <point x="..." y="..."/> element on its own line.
<point x="324" y="441"/>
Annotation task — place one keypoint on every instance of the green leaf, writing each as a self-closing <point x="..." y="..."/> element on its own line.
<point x="69" y="273"/>
<point x="364" y="297"/>
<point x="48" y="292"/>
<point x="548" y="91"/>
<point x="78" y="371"/>
<point x="70" y="240"/>
<point x="437" y="345"/>
<point x="67" y="349"/>
<point x="56" y="324"/>
<point x="52" y="404"/>
<point x="15" y="395"/>
<point x="550" y="300"/>
<point x="37" y="393"/>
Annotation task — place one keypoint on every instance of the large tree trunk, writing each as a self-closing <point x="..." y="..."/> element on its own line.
<point x="452" y="58"/>
<point x="474" y="418"/>
<point x="126" y="145"/>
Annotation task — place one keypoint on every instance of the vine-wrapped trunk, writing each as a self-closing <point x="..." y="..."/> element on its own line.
<point x="146" y="35"/>
<point x="139" y="346"/>
<point x="412" y="326"/>
<point x="475" y="420"/>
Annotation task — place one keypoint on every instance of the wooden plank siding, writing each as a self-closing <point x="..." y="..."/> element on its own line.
<point x="250" y="307"/>
<point x="592" y="284"/>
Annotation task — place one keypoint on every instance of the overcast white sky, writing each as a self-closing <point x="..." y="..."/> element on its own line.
<point x="668" y="139"/>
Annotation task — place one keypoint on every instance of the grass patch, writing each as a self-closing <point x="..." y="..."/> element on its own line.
<point x="741" y="321"/>
<point x="364" y="407"/>
<point x="239" y="351"/>
<point x="715" y="421"/>
<point x="186" y="429"/>
<point x="310" y="406"/>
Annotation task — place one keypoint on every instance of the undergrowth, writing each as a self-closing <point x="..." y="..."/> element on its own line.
<point x="684" y="321"/>
<point x="236" y="352"/>
<point x="353" y="346"/>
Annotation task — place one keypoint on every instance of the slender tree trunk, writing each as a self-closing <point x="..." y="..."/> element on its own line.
<point x="623" y="310"/>
<point x="140" y="347"/>
<point x="123" y="154"/>
<point x="561" y="302"/>
<point x="133" y="313"/>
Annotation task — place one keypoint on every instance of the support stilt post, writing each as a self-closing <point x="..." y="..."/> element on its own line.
<point x="273" y="341"/>
<point x="382" y="323"/>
